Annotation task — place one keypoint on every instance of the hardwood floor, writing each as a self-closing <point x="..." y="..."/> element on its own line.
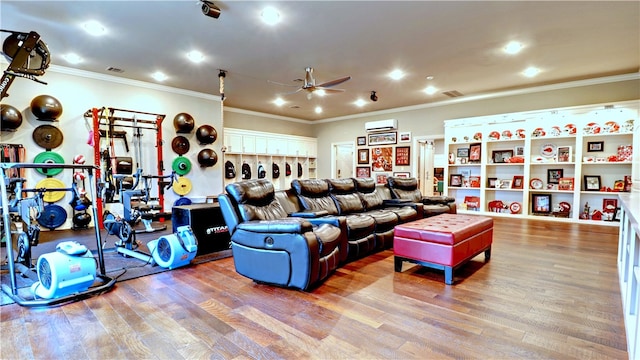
<point x="549" y="291"/>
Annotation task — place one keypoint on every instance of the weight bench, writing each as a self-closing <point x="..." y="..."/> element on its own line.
<point x="443" y="242"/>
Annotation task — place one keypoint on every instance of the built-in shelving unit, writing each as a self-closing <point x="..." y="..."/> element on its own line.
<point x="559" y="165"/>
<point x="294" y="156"/>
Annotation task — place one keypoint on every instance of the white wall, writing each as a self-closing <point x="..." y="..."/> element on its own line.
<point x="81" y="91"/>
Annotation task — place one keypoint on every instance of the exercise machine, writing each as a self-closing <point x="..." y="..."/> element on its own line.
<point x="29" y="57"/>
<point x="103" y="282"/>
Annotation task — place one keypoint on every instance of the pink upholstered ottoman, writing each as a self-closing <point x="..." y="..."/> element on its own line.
<point x="444" y="242"/>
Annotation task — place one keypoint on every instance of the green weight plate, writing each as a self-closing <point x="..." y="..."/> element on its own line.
<point x="49" y="157"/>
<point x="181" y="165"/>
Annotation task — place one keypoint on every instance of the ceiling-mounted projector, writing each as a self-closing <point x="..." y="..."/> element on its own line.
<point x="209" y="9"/>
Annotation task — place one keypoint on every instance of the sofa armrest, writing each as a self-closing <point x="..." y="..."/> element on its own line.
<point x="309" y="214"/>
<point x="438" y="200"/>
<point x="396" y="202"/>
<point x="282" y="226"/>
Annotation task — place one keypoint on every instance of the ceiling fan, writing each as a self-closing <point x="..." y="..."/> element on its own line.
<point x="310" y="85"/>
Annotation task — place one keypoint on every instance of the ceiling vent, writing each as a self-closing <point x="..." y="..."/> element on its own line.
<point x="453" y="93"/>
<point x="115" y="70"/>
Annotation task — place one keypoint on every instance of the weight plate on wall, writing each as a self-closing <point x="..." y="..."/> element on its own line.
<point x="51" y="183"/>
<point x="182" y="201"/>
<point x="47" y="136"/>
<point x="182" y="186"/>
<point x="181" y="165"/>
<point x="180" y="145"/>
<point x="52" y="216"/>
<point x="49" y="157"/>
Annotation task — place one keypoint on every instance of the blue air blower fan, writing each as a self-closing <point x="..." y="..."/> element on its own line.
<point x="174" y="250"/>
<point x="71" y="269"/>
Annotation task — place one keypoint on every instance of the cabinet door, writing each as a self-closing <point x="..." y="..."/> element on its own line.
<point x="261" y="145"/>
<point x="276" y="146"/>
<point x="294" y="147"/>
<point x="233" y="142"/>
<point x="248" y="144"/>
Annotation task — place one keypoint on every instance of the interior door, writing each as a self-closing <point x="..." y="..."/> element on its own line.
<point x="343" y="161"/>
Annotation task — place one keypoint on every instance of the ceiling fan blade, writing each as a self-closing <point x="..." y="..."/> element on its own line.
<point x="329" y="91"/>
<point x="292" y="92"/>
<point x="334" y="82"/>
<point x="281" y="84"/>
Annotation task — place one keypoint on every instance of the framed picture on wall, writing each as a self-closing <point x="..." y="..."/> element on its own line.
<point x="363" y="156"/>
<point x="405" y="136"/>
<point x="381" y="178"/>
<point x="363" y="171"/>
<point x="383" y="138"/>
<point x="403" y="155"/>
<point x="405" y="175"/>
<point x="361" y="140"/>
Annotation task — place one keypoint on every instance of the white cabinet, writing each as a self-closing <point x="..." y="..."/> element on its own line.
<point x="565" y="165"/>
<point x="280" y="158"/>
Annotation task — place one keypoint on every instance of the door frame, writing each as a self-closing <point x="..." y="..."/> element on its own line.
<point x="334" y="147"/>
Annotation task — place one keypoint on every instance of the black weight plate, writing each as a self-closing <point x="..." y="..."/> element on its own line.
<point x="48" y="136"/>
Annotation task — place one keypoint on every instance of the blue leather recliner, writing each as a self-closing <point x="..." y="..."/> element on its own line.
<point x="273" y="247"/>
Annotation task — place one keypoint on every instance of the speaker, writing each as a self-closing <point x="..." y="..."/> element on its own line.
<point x="207" y="225"/>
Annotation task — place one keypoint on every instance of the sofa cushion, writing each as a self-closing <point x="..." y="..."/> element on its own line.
<point x="314" y="195"/>
<point x="256" y="200"/>
<point x="370" y="197"/>
<point x="343" y="191"/>
<point x="404" y="188"/>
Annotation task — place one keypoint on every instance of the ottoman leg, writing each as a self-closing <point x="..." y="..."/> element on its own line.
<point x="397" y="262"/>
<point x="448" y="275"/>
<point x="487" y="254"/>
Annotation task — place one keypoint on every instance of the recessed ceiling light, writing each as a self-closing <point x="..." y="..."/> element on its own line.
<point x="360" y="103"/>
<point x="92" y="27"/>
<point x="430" y="90"/>
<point x="531" y="71"/>
<point x="318" y="110"/>
<point x="159" y="76"/>
<point x="513" y="47"/>
<point x="195" y="56"/>
<point x="72" y="58"/>
<point x="279" y="102"/>
<point x="270" y="16"/>
<point x="430" y="77"/>
<point x="396" y="74"/>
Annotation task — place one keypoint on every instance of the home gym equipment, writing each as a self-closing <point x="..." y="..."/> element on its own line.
<point x="180" y="145"/>
<point x="54" y="189"/>
<point x="183" y="123"/>
<point x="70" y="269"/>
<point x="175" y="250"/>
<point x="206" y="134"/>
<point x="11" y="118"/>
<point x="181" y="165"/>
<point x="52" y="216"/>
<point x="207" y="224"/>
<point x="182" y="186"/>
<point x="112" y="120"/>
<point x="29" y="58"/>
<point x="207" y="158"/>
<point x="47" y="136"/>
<point x="46" y="108"/>
<point x="49" y="157"/>
<point x="20" y="208"/>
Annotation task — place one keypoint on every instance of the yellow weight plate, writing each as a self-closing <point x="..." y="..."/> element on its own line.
<point x="51" y="183"/>
<point x="182" y="186"/>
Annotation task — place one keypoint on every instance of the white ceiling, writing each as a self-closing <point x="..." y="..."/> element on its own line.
<point x="457" y="42"/>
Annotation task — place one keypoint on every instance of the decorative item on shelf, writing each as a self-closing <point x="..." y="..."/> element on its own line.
<point x="515" y="207"/>
<point x="596" y="215"/>
<point x="618" y="215"/>
<point x="472" y="202"/>
<point x="609" y="207"/>
<point x="491" y="183"/>
<point x="570" y="129"/>
<point x="454" y="139"/>
<point x="515" y="160"/>
<point x="625" y="153"/>
<point x="452" y="158"/>
<point x="455" y="180"/>
<point x="588" y="159"/>
<point x="586" y="212"/>
<point x="555" y="131"/>
<point x="628" y="126"/>
<point x="611" y="158"/>
<point x="611" y="127"/>
<point x="562" y="210"/>
<point x="475" y="151"/>
<point x="536" y="184"/>
<point x="474" y="181"/>
<point x="566" y="184"/>
<point x="548" y="150"/>
<point x="501" y="156"/>
<point x="518" y="150"/>
<point x="477" y="136"/>
<point x="462" y="152"/>
<point x="554" y="175"/>
<point x="564" y="154"/>
<point x="540" y="204"/>
<point x="496" y="206"/>
<point x="592" y="182"/>
<point x="619" y="185"/>
<point x="538" y="133"/>
<point x="463" y="160"/>
<point x="503" y="184"/>
<point x="466" y="139"/>
<point x="595" y="146"/>
<point x="627" y="183"/>
<point x="517" y="182"/>
<point x="539" y="160"/>
<point x="494" y="135"/>
<point x="507" y="135"/>
<point x="521" y="133"/>
<point x="592" y="128"/>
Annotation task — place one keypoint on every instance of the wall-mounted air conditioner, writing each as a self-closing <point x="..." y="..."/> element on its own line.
<point x="381" y="125"/>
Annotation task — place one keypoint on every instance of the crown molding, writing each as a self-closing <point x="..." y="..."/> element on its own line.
<point x="266" y="115"/>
